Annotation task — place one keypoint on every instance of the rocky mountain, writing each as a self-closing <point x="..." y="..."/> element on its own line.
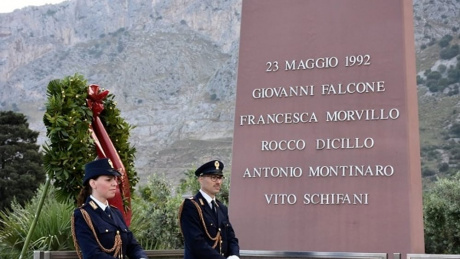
<point x="171" y="64"/>
<point x="434" y="19"/>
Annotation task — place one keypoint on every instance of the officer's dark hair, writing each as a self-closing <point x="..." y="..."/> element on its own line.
<point x="85" y="192"/>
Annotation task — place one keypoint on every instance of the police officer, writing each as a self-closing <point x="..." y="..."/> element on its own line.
<point x="99" y="229"/>
<point x="204" y="220"/>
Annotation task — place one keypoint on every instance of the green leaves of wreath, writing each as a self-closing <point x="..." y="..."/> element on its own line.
<point x="70" y="146"/>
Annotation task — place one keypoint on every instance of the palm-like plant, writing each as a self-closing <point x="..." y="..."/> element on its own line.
<point x="52" y="231"/>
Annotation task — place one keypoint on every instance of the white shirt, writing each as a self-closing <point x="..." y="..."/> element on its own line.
<point x="100" y="204"/>
<point x="207" y="198"/>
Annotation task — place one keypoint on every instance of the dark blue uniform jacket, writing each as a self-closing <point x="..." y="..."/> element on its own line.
<point x="197" y="243"/>
<point x="106" y="229"/>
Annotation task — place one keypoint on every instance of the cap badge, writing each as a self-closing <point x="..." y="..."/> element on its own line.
<point x="110" y="162"/>
<point x="216" y="164"/>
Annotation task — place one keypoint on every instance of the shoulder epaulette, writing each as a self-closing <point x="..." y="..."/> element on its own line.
<point x="93" y="205"/>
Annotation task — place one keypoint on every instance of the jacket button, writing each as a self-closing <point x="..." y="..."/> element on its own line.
<point x="106" y="230"/>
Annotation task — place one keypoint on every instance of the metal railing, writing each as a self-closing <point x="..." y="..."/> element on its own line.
<point x="291" y="254"/>
<point x="432" y="256"/>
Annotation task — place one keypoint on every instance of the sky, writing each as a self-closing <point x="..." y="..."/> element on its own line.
<point x="7" y="6"/>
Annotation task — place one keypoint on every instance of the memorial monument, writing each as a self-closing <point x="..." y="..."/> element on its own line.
<point x="326" y="152"/>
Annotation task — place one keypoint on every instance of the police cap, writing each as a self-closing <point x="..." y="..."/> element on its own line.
<point x="97" y="168"/>
<point x="211" y="167"/>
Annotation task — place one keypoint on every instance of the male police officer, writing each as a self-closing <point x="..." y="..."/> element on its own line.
<point x="204" y="220"/>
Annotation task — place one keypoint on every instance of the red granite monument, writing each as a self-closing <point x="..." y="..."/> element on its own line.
<point x="326" y="153"/>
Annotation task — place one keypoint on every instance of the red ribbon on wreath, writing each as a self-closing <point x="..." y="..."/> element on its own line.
<point x="106" y="149"/>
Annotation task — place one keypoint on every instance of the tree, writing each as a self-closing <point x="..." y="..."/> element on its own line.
<point x="442" y="216"/>
<point x="21" y="170"/>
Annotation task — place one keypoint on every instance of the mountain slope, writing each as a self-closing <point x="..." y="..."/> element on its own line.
<point x="172" y="66"/>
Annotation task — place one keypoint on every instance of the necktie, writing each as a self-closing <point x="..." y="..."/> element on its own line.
<point x="108" y="212"/>
<point x="214" y="206"/>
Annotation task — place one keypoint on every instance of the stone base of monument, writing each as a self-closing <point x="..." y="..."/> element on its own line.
<point x="253" y="254"/>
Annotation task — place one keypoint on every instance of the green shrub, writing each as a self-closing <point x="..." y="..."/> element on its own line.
<point x="189" y="184"/>
<point x="155" y="220"/>
<point x="453" y="74"/>
<point x="434" y="75"/>
<point x="432" y="85"/>
<point x="52" y="231"/>
<point x="453" y="92"/>
<point x="444" y="42"/>
<point x="442" y="216"/>
<point x="442" y="68"/>
<point x="420" y="80"/>
<point x="449" y="52"/>
<point x="443" y="83"/>
<point x="426" y="72"/>
<point x="426" y="172"/>
<point x="455" y="129"/>
<point x="443" y="167"/>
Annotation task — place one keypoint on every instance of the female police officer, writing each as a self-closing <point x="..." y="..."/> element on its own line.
<point x="99" y="229"/>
